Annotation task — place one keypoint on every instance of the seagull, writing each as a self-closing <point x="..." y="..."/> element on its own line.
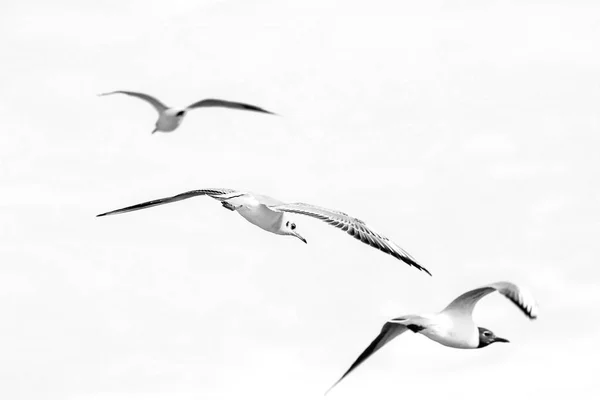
<point x="454" y="325"/>
<point x="273" y="216"/>
<point x="170" y="118"/>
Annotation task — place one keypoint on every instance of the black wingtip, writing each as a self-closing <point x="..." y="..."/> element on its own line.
<point x="270" y="112"/>
<point x="332" y="386"/>
<point x="266" y="112"/>
<point x="249" y="107"/>
<point x="101" y="215"/>
<point x="418" y="266"/>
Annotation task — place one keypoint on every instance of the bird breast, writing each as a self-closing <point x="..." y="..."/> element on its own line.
<point x="450" y="332"/>
<point x="168" y="121"/>
<point x="261" y="216"/>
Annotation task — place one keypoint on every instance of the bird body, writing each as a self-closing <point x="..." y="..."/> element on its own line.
<point x="170" y="118"/>
<point x="258" y="213"/>
<point x="274" y="216"/>
<point x="454" y="325"/>
<point x="459" y="333"/>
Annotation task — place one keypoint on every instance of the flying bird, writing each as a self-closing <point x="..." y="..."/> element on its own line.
<point x="170" y="118"/>
<point x="273" y="216"/>
<point x="454" y="325"/>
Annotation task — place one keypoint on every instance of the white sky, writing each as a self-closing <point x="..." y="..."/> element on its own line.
<point x="467" y="131"/>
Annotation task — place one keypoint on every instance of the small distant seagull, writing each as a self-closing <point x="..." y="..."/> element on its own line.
<point x="453" y="326"/>
<point x="272" y="216"/>
<point x="170" y="118"/>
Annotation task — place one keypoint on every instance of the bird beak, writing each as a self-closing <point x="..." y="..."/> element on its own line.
<point x="154" y="131"/>
<point x="501" y="340"/>
<point x="299" y="237"/>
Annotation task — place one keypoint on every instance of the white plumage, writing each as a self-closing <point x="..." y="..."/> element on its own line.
<point x="169" y="118"/>
<point x="454" y="325"/>
<point x="273" y="216"/>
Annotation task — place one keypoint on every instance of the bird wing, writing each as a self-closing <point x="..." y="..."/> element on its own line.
<point x="160" y="107"/>
<point x="354" y="226"/>
<point x="227" y="104"/>
<point x="215" y="193"/>
<point x="267" y="200"/>
<point x="389" y="331"/>
<point x="465" y="303"/>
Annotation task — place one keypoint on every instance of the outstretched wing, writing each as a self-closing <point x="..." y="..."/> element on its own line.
<point x="389" y="331"/>
<point x="354" y="227"/>
<point x="465" y="303"/>
<point x="215" y="193"/>
<point x="160" y="107"/>
<point x="227" y="104"/>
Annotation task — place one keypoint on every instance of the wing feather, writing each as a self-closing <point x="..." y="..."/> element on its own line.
<point x="389" y="331"/>
<point x="466" y="302"/>
<point x="215" y="193"/>
<point x="157" y="104"/>
<point x="227" y="104"/>
<point x="354" y="227"/>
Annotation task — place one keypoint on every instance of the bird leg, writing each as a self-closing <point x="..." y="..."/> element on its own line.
<point x="415" y="328"/>
<point x="230" y="207"/>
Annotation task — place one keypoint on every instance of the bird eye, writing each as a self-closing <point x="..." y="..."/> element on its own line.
<point x="287" y="223"/>
<point x="487" y="333"/>
<point x="293" y="226"/>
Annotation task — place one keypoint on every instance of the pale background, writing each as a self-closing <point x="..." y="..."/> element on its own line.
<point x="467" y="131"/>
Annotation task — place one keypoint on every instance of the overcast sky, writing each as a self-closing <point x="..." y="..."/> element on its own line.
<point x="466" y="131"/>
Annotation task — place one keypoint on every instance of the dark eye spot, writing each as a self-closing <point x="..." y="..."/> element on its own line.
<point x="287" y="223"/>
<point x="293" y="226"/>
<point x="487" y="333"/>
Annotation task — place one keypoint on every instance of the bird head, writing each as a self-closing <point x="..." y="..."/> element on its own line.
<point x="487" y="337"/>
<point x="289" y="228"/>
